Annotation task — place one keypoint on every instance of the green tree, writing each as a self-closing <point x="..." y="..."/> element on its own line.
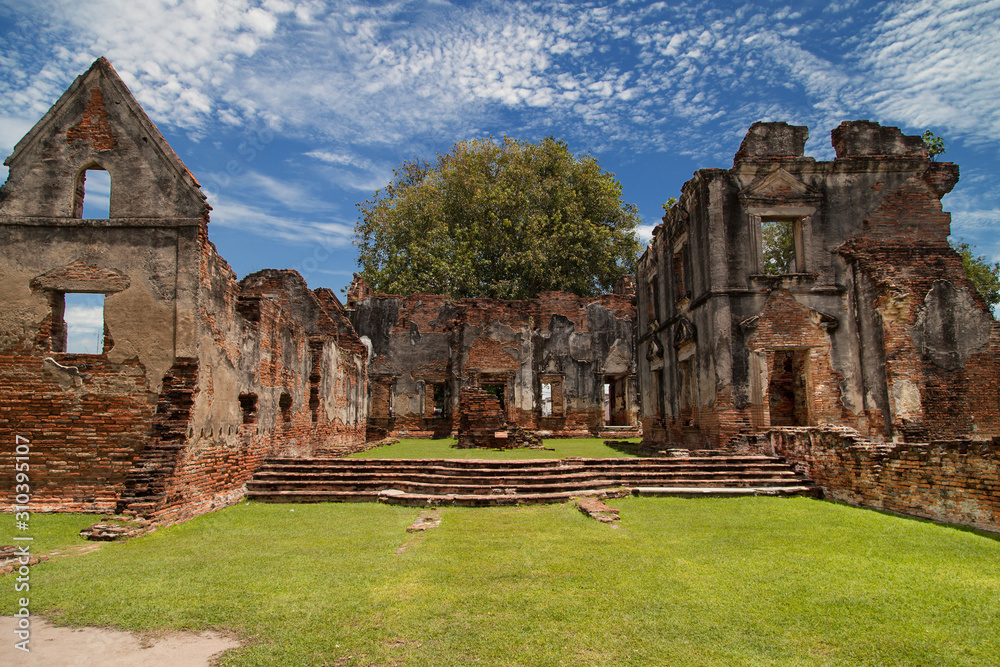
<point x="934" y="144"/>
<point x="778" y="238"/>
<point x="984" y="276"/>
<point x="503" y="219"/>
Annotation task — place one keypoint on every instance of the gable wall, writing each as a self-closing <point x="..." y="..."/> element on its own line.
<point x="153" y="424"/>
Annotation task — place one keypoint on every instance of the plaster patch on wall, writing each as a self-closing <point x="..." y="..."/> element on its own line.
<point x="894" y="307"/>
<point x="949" y="327"/>
<point x="906" y="398"/>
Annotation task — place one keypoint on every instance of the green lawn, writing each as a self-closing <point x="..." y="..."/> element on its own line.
<point x="751" y="581"/>
<point x="49" y="532"/>
<point x="557" y="448"/>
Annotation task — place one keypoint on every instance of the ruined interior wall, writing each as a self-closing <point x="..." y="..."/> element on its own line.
<point x="940" y="341"/>
<point x="420" y="341"/>
<point x="954" y="481"/>
<point x="786" y="325"/>
<point x="87" y="415"/>
<point x="268" y="338"/>
<point x="153" y="424"/>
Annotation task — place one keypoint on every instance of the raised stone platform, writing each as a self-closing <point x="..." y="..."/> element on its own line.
<point x="431" y="482"/>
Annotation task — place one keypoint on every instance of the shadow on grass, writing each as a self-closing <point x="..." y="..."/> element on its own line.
<point x="628" y="447"/>
<point x="919" y="519"/>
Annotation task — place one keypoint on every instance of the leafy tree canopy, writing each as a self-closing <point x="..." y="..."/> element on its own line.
<point x="934" y="144"/>
<point x="779" y="247"/>
<point x="984" y="276"/>
<point x="503" y="219"/>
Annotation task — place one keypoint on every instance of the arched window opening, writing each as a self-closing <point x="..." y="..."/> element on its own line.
<point x="92" y="200"/>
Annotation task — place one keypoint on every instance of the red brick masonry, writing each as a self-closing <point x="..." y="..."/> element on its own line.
<point x="952" y="481"/>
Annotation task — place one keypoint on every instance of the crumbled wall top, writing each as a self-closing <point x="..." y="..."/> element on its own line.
<point x="864" y="138"/>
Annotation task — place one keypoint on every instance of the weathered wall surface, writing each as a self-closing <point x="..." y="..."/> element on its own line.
<point x="954" y="481"/>
<point x="200" y="376"/>
<point x="870" y="324"/>
<point x="87" y="416"/>
<point x="271" y="381"/>
<point x="548" y="360"/>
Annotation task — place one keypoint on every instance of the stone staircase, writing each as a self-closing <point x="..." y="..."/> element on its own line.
<point x="480" y="483"/>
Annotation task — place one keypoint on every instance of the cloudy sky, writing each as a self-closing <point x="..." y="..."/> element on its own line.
<point x="289" y="113"/>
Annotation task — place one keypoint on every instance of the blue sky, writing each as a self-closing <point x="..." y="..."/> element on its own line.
<point x="289" y="113"/>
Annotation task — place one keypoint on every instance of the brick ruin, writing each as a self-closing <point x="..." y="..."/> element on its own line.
<point x="871" y="324"/>
<point x="559" y="364"/>
<point x="200" y="376"/>
<point x="951" y="481"/>
<point x="848" y="356"/>
<point x="864" y="355"/>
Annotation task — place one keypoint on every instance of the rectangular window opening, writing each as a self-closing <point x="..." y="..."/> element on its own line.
<point x="439" y="409"/>
<point x="285" y="405"/>
<point x="79" y="328"/>
<point x="780" y="247"/>
<point x="553" y="401"/>
<point x="679" y="275"/>
<point x="248" y="406"/>
<point x="788" y="398"/>
<point x="314" y="379"/>
<point x="615" y="400"/>
<point x="652" y="302"/>
<point x="500" y="391"/>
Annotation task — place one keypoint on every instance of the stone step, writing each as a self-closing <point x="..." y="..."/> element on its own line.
<point x="459" y="463"/>
<point x="494" y="470"/>
<point x="491" y="482"/>
<point x="417" y="499"/>
<point x="637" y="479"/>
<point x="728" y="492"/>
<point x="393" y="480"/>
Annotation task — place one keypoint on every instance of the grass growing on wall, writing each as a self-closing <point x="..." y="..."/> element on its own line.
<point x="751" y="581"/>
<point x="557" y="448"/>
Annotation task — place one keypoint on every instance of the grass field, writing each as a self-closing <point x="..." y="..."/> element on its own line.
<point x="752" y="581"/>
<point x="556" y="448"/>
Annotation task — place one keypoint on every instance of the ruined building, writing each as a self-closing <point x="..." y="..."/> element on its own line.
<point x="785" y="306"/>
<point x="559" y="364"/>
<point x="198" y="376"/>
<point x="863" y="319"/>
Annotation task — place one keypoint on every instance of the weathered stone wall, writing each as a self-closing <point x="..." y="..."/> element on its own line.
<point x="954" y="481"/>
<point x="270" y="340"/>
<point x="427" y="348"/>
<point x="200" y="376"/>
<point x="871" y="321"/>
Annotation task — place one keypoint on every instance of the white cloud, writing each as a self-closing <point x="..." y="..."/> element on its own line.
<point x="172" y="54"/>
<point x="645" y="233"/>
<point x="655" y="76"/>
<point x="938" y="64"/>
<point x="90" y="318"/>
<point x="335" y="233"/>
<point x="343" y="159"/>
<point x="293" y="196"/>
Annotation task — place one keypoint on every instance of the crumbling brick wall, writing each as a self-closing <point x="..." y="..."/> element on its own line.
<point x="199" y="376"/>
<point x="429" y="348"/>
<point x="269" y="343"/>
<point x="870" y="324"/>
<point x="952" y="481"/>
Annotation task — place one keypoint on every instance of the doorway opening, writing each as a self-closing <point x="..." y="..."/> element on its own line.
<point x="788" y="397"/>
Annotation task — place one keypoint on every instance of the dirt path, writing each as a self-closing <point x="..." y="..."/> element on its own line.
<point x="53" y="646"/>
